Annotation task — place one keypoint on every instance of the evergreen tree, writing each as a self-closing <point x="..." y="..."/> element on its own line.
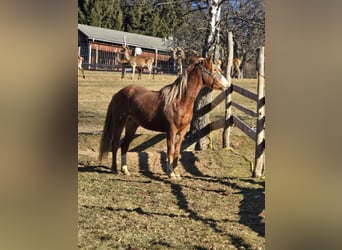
<point x="101" y="13"/>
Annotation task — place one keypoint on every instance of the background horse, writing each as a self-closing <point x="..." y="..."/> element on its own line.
<point x="178" y="55"/>
<point x="236" y="68"/>
<point x="193" y="57"/>
<point x="120" y="60"/>
<point x="169" y="110"/>
<point x="138" y="62"/>
<point x="79" y="65"/>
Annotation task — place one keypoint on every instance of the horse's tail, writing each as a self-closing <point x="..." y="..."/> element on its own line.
<point x="107" y="135"/>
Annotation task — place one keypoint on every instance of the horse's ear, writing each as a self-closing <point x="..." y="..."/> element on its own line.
<point x="208" y="60"/>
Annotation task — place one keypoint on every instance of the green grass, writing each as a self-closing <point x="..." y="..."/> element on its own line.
<point x="216" y="205"/>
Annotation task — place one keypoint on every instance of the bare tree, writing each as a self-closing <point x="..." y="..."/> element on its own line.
<point x="246" y="20"/>
<point x="210" y="49"/>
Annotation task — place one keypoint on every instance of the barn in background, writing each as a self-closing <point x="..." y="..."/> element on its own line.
<point x="99" y="45"/>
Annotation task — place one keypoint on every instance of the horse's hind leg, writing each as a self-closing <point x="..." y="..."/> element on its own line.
<point x="83" y="73"/>
<point x="118" y="127"/>
<point x="130" y="129"/>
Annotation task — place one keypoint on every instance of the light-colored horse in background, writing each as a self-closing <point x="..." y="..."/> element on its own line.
<point x="189" y="58"/>
<point x="79" y="65"/>
<point x="236" y="68"/>
<point x="138" y="62"/>
<point x="179" y="55"/>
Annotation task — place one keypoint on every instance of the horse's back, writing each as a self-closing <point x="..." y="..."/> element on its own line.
<point x="134" y="95"/>
<point x="132" y="90"/>
<point x="142" y="104"/>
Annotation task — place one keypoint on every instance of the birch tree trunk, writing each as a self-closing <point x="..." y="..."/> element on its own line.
<point x="205" y="96"/>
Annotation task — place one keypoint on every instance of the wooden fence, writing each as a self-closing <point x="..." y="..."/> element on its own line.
<point x="230" y="119"/>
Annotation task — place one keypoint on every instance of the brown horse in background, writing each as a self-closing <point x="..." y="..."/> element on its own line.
<point x="79" y="65"/>
<point x="138" y="62"/>
<point x="236" y="68"/>
<point x="193" y="57"/>
<point x="189" y="58"/>
<point x="168" y="110"/>
<point x="179" y="55"/>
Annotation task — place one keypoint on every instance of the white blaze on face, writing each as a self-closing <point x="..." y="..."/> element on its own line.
<point x="224" y="82"/>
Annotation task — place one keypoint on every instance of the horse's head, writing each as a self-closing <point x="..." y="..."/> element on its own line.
<point x="125" y="52"/>
<point x="211" y="75"/>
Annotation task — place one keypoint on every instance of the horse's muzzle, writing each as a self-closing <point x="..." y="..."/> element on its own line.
<point x="224" y="83"/>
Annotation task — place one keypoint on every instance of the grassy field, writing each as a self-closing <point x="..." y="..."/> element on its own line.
<point x="216" y="205"/>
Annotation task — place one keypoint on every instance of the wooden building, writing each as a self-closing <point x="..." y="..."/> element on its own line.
<point x="99" y="46"/>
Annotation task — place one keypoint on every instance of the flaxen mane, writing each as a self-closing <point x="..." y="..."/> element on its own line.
<point x="175" y="90"/>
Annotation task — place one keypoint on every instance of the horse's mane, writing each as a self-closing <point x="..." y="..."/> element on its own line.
<point x="175" y="90"/>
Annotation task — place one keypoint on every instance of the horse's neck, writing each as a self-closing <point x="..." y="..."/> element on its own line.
<point x="193" y="88"/>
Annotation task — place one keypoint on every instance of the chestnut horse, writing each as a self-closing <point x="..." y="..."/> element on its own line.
<point x="79" y="65"/>
<point x="168" y="110"/>
<point x="138" y="62"/>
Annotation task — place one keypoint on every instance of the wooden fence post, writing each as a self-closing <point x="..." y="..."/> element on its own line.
<point x="156" y="58"/>
<point x="89" y="55"/>
<point x="259" y="169"/>
<point x="229" y="91"/>
<point x="97" y="56"/>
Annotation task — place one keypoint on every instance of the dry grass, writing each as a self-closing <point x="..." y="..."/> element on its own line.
<point x="216" y="205"/>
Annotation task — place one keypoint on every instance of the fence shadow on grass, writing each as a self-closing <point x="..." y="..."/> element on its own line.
<point x="188" y="160"/>
<point x="144" y="167"/>
<point x="251" y="208"/>
<point x="176" y="190"/>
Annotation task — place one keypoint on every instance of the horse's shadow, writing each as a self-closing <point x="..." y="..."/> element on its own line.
<point x="251" y="207"/>
<point x="187" y="160"/>
<point x="98" y="169"/>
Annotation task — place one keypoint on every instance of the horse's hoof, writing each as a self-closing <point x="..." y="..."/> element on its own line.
<point x="114" y="171"/>
<point x="124" y="170"/>
<point x="174" y="176"/>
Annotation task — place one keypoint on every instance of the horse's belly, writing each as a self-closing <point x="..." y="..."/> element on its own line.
<point x="157" y="128"/>
<point x="155" y="124"/>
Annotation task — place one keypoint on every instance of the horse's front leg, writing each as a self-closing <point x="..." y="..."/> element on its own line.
<point x="133" y="71"/>
<point x="180" y="137"/>
<point x="123" y="69"/>
<point x="140" y="72"/>
<point x="171" y="138"/>
<point x="151" y="71"/>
